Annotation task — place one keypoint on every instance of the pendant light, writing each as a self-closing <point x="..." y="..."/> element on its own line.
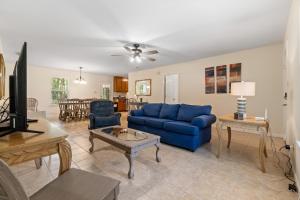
<point x="80" y="80"/>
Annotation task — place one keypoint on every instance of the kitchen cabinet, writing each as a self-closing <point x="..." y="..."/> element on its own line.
<point x="120" y="84"/>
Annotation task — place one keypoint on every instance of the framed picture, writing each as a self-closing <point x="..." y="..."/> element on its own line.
<point x="221" y="79"/>
<point x="235" y="74"/>
<point x="143" y="87"/>
<point x="210" y="80"/>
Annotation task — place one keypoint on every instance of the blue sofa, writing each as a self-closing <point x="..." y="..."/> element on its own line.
<point x="102" y="114"/>
<point x="181" y="125"/>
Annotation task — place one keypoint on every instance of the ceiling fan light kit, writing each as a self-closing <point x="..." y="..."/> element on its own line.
<point x="137" y="55"/>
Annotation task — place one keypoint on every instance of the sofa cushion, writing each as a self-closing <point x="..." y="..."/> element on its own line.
<point x="181" y="127"/>
<point x="136" y="112"/>
<point x="155" y="122"/>
<point x="136" y="120"/>
<point x="152" y="109"/>
<point x="188" y="112"/>
<point x="169" y="111"/>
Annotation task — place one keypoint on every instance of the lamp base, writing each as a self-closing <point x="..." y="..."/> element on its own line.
<point x="239" y="116"/>
<point x="241" y="108"/>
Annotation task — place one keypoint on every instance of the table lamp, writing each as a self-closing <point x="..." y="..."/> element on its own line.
<point x="242" y="89"/>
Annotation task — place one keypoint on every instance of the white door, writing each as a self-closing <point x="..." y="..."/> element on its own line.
<point x="171" y="88"/>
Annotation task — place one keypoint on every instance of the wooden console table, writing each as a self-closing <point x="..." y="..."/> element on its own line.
<point x="262" y="127"/>
<point x="21" y="147"/>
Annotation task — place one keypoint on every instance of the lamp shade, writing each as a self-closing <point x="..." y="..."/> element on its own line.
<point x="243" y="88"/>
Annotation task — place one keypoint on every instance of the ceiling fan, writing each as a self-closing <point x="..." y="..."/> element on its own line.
<point x="137" y="54"/>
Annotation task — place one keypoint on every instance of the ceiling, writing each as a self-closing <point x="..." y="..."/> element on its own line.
<point x="72" y="33"/>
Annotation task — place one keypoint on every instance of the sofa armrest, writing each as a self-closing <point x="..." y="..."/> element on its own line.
<point x="204" y="120"/>
<point x="92" y="121"/>
<point x="137" y="113"/>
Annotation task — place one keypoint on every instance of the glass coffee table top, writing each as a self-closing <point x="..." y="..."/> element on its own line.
<point x="125" y="134"/>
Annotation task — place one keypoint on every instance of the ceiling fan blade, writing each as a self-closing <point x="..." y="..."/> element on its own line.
<point x="116" y="55"/>
<point x="151" y="52"/>
<point x="127" y="48"/>
<point x="151" y="59"/>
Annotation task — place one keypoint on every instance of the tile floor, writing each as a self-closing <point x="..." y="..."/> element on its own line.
<point x="181" y="174"/>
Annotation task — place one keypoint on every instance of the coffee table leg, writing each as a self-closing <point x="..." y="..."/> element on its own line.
<point x="38" y="163"/>
<point x="91" y="138"/>
<point x="130" y="158"/>
<point x="157" y="156"/>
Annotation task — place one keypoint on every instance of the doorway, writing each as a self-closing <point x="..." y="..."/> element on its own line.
<point x="171" y="95"/>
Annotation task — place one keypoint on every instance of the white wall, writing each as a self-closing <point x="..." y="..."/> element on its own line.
<point x="39" y="85"/>
<point x="292" y="61"/>
<point x="262" y="65"/>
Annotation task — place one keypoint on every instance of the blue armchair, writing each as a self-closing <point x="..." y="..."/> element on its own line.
<point x="102" y="114"/>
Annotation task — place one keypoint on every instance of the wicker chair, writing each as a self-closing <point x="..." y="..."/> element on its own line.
<point x="32" y="104"/>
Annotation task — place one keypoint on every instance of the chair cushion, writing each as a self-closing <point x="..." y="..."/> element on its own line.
<point x="188" y="112"/>
<point x="107" y="121"/>
<point x="181" y="127"/>
<point x="76" y="184"/>
<point x="169" y="111"/>
<point x="155" y="122"/>
<point x="152" y="109"/>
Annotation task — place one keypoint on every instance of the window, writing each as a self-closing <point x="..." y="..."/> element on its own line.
<point x="59" y="89"/>
<point x="105" y="92"/>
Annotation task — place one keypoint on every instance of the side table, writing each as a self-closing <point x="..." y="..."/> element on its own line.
<point x="262" y="127"/>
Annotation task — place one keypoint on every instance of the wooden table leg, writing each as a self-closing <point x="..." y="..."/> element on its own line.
<point x="261" y="152"/>
<point x="91" y="138"/>
<point x="267" y="131"/>
<point x="38" y="163"/>
<point x="130" y="158"/>
<point x="219" y="132"/>
<point x="157" y="156"/>
<point x="65" y="156"/>
<point x="229" y="136"/>
<point x="265" y="151"/>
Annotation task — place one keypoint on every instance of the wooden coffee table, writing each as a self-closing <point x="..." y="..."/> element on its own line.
<point x="127" y="143"/>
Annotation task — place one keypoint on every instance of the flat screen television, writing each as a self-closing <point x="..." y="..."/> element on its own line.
<point x="18" y="97"/>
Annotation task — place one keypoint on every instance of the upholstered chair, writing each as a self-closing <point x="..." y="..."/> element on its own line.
<point x="102" y="114"/>
<point x="74" y="184"/>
